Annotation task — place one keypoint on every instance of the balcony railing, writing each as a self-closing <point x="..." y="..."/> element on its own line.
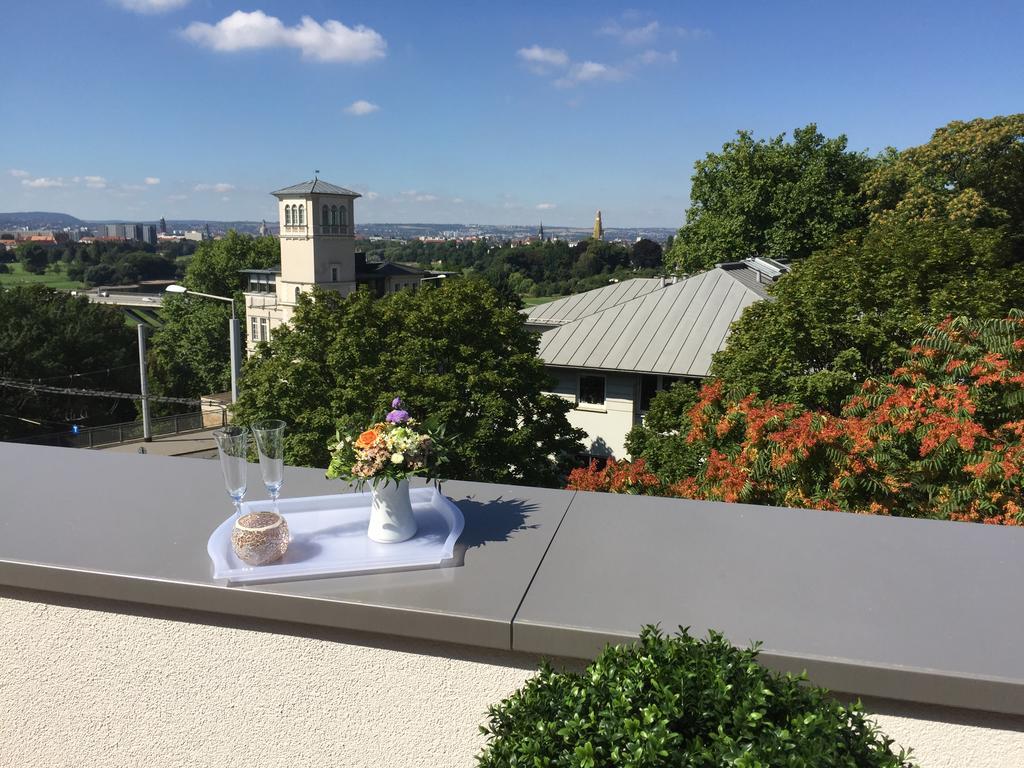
<point x="335" y="229"/>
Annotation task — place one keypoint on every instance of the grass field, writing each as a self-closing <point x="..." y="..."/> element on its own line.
<point x="53" y="277"/>
<point x="533" y="301"/>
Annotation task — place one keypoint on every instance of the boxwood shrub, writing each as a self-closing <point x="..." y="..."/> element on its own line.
<point x="680" y="701"/>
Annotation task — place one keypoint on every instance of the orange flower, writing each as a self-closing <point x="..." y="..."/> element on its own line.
<point x="367" y="438"/>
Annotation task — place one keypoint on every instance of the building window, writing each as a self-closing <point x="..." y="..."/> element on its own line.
<point x="324" y="216"/>
<point x="342" y="215"/>
<point x="334" y="273"/>
<point x="592" y="390"/>
<point x="302" y="214"/>
<point x="263" y="329"/>
<point x="287" y="215"/>
<point x="648" y="389"/>
<point x="252" y="328"/>
<point x="334" y="215"/>
<point x="297" y="292"/>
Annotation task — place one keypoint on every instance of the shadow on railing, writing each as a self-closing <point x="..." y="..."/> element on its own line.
<point x="112" y="434"/>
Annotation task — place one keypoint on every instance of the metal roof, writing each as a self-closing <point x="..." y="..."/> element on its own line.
<point x="578" y="305"/>
<point x="316" y="186"/>
<point x="672" y="330"/>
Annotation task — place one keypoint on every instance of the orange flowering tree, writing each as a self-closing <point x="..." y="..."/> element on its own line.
<point x="940" y="436"/>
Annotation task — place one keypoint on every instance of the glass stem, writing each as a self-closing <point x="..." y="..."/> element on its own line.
<point x="238" y="507"/>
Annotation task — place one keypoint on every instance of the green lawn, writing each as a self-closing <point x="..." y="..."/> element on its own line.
<point x="533" y="301"/>
<point x="53" y="277"/>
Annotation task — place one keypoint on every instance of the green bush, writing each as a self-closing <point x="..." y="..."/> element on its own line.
<point x="680" y="702"/>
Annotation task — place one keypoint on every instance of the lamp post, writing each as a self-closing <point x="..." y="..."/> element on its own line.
<point x="234" y="333"/>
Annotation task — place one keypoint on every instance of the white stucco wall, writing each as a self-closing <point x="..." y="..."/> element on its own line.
<point x="90" y="683"/>
<point x="606" y="426"/>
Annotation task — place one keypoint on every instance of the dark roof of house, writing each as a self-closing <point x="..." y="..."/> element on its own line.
<point x="316" y="186"/>
<point x="385" y="269"/>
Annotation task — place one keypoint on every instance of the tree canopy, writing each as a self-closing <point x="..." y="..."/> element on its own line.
<point x="778" y="198"/>
<point x="942" y="240"/>
<point x="940" y="435"/>
<point x="190" y="353"/>
<point x="54" y="337"/>
<point x="456" y="351"/>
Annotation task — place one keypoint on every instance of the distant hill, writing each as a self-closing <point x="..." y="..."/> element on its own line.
<point x="39" y="220"/>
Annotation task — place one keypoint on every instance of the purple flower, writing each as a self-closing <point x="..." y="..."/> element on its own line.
<point x="397" y="417"/>
<point x="396" y="403"/>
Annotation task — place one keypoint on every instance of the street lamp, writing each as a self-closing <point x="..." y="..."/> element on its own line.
<point x="234" y="334"/>
<point x="433" y="277"/>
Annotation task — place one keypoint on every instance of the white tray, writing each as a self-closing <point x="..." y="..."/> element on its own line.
<point x="329" y="538"/>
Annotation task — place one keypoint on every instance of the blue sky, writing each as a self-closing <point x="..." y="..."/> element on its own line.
<point x="463" y="111"/>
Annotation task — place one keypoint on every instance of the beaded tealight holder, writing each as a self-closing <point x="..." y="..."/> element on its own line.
<point x="259" y="538"/>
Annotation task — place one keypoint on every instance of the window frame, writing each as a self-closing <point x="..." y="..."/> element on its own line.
<point x="587" y="405"/>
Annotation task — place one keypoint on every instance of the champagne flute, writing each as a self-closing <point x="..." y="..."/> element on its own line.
<point x="233" y="446"/>
<point x="270" y="443"/>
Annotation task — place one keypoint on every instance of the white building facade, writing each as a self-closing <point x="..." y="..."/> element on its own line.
<point x="317" y="230"/>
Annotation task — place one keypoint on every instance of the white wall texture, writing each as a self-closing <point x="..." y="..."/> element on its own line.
<point x="91" y="683"/>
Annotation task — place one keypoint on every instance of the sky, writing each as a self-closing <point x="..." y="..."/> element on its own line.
<point x="464" y="112"/>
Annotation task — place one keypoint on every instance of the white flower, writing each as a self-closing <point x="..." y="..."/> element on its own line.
<point x="397" y="458"/>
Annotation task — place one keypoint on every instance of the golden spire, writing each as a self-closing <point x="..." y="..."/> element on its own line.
<point x="598" y="229"/>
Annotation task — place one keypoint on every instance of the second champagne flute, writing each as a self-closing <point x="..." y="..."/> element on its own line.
<point x="269" y="436"/>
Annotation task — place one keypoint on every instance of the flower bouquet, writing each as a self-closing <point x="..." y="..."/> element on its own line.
<point x="386" y="455"/>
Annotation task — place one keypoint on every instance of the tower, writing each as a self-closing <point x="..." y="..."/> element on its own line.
<point x="598" y="229"/>
<point x="263" y="228"/>
<point x="163" y="226"/>
<point x="317" y="243"/>
<point x="540" y="232"/>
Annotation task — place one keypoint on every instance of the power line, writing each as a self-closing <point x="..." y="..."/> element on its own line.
<point x="33" y="387"/>
<point x="78" y="375"/>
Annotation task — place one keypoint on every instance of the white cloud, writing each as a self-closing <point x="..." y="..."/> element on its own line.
<point x="330" y="41"/>
<point x="692" y="33"/>
<point x="536" y="55"/>
<point x="371" y="195"/>
<point x="546" y="206"/>
<point x="94" y="182"/>
<point x="177" y="198"/>
<point x="588" y="71"/>
<point x="151" y="181"/>
<point x="18" y="173"/>
<point x="361" y="107"/>
<point x="657" y="57"/>
<point x="631" y="35"/>
<point x="221" y="186"/>
<point x="458" y="200"/>
<point x="425" y="198"/>
<point x="152" y="6"/>
<point x="43" y="183"/>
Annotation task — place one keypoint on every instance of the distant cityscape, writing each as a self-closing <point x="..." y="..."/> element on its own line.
<point x="61" y="226"/>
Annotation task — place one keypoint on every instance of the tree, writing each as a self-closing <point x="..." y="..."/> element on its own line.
<point x="941" y="435"/>
<point x="969" y="172"/>
<point x="49" y="335"/>
<point x="456" y="351"/>
<point x="34" y="257"/>
<point x="190" y="353"/>
<point x="944" y="239"/>
<point x="770" y="198"/>
<point x="645" y="254"/>
<point x="656" y="439"/>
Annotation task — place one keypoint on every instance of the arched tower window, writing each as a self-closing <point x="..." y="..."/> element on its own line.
<point x="302" y="214"/>
<point x="297" y="292"/>
<point x="334" y="215"/>
<point x="342" y="215"/>
<point x="287" y="215"/>
<point x="324" y="216"/>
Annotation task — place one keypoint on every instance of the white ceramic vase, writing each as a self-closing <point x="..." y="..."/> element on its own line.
<point x="391" y="518"/>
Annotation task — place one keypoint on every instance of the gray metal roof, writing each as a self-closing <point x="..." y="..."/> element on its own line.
<point x="316" y="186"/>
<point x="578" y="305"/>
<point x="672" y="330"/>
